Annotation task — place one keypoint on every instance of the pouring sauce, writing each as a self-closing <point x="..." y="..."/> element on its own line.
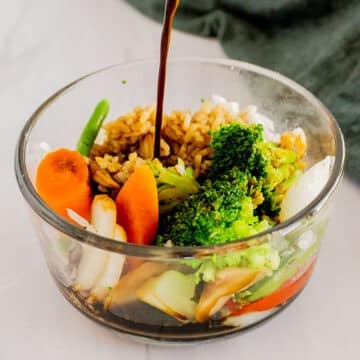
<point x="170" y="10"/>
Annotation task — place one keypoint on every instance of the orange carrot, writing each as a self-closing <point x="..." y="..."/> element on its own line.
<point x="289" y="289"/>
<point x="62" y="181"/>
<point x="138" y="206"/>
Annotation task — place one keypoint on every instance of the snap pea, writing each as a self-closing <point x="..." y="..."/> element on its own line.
<point x="92" y="127"/>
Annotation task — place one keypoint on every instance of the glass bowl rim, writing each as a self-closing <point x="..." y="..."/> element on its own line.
<point x="152" y="251"/>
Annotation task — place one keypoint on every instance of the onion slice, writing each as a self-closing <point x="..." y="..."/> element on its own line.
<point x="112" y="271"/>
<point x="93" y="261"/>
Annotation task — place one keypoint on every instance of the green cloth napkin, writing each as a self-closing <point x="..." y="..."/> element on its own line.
<point x="314" y="42"/>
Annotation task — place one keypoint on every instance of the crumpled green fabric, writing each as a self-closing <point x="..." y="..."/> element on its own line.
<point x="314" y="42"/>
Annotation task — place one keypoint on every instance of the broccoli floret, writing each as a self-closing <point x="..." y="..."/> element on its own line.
<point x="241" y="195"/>
<point x="238" y="145"/>
<point x="174" y="184"/>
<point x="282" y="168"/>
<point x="221" y="211"/>
<point x="270" y="168"/>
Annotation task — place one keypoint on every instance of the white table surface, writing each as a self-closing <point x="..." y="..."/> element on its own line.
<point x="44" y="45"/>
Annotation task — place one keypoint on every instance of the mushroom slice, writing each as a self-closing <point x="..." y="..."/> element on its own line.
<point x="124" y="291"/>
<point x="93" y="261"/>
<point x="104" y="178"/>
<point x="172" y="293"/>
<point x="112" y="271"/>
<point x="227" y="282"/>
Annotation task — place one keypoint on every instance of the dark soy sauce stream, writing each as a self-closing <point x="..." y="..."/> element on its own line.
<point x="170" y="10"/>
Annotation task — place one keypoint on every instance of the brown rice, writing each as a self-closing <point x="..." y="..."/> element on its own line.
<point x="129" y="141"/>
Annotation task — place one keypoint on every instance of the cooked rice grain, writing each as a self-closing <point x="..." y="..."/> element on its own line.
<point x="129" y="140"/>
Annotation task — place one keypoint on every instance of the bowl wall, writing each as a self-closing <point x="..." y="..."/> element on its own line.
<point x="136" y="304"/>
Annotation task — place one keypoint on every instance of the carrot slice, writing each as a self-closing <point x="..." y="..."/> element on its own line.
<point x="138" y="206"/>
<point x="289" y="289"/>
<point x="62" y="181"/>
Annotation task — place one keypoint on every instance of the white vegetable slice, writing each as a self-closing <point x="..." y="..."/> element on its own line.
<point x="101" y="137"/>
<point x="80" y="220"/>
<point x="103" y="215"/>
<point x="231" y="106"/>
<point x="171" y="292"/>
<point x="306" y="188"/>
<point x="248" y="319"/>
<point x="218" y="100"/>
<point x="91" y="266"/>
<point x="112" y="270"/>
<point x="93" y="261"/>
<point x="299" y="131"/>
<point x="254" y="117"/>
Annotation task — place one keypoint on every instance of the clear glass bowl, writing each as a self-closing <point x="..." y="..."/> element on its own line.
<point x="184" y="312"/>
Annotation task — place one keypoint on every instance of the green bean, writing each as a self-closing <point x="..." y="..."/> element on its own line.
<point x="92" y="127"/>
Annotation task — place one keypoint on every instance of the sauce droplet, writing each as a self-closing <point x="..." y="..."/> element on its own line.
<point x="170" y="10"/>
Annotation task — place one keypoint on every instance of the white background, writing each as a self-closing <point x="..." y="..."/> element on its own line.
<point x="44" y="44"/>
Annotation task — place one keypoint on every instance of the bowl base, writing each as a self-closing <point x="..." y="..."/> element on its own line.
<point x="158" y="334"/>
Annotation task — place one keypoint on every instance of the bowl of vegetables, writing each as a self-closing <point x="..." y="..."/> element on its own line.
<point x="217" y="233"/>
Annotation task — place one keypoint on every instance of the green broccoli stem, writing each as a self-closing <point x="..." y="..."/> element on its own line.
<point x="174" y="185"/>
<point x="185" y="183"/>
